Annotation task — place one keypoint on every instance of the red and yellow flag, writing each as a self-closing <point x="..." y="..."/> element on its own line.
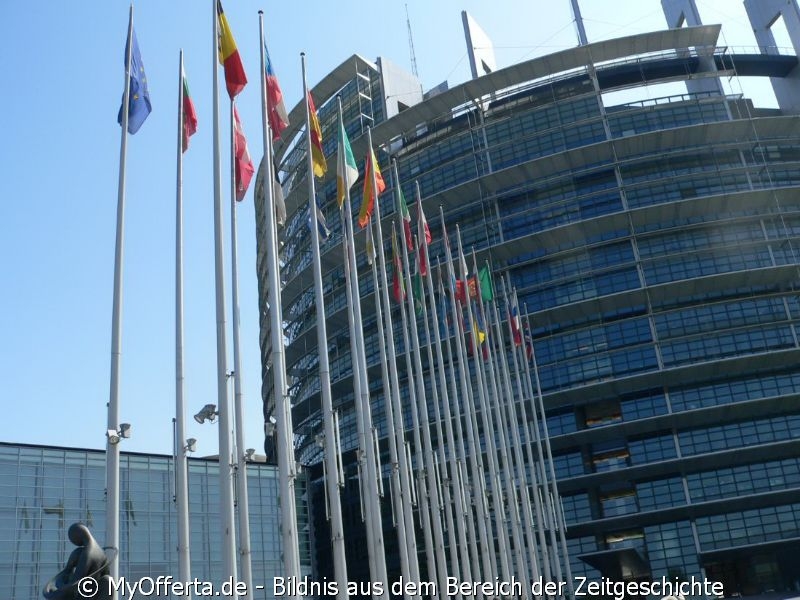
<point x="317" y="155"/>
<point x="368" y="204"/>
<point x="235" y="78"/>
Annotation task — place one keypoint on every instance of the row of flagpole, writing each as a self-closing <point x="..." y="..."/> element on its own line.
<point x="447" y="482"/>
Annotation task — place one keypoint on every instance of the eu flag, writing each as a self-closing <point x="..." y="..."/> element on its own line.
<point x="139" y="98"/>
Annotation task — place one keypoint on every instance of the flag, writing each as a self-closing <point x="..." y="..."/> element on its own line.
<point x="277" y="195"/>
<point x="138" y="96"/>
<point x="276" y="109"/>
<point x="317" y="155"/>
<point x="416" y="290"/>
<point x="528" y="344"/>
<point x="189" y="113"/>
<point x="422" y="224"/>
<point x="485" y="283"/>
<point x="460" y="292"/>
<point x="398" y="287"/>
<point x="370" y="247"/>
<point x="322" y="225"/>
<point x="244" y="168"/>
<point x="346" y="169"/>
<point x="368" y="204"/>
<point x="235" y="78"/>
<point x="403" y="210"/>
<point x="514" y="320"/>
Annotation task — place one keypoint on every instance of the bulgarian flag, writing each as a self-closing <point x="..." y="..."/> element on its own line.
<point x="368" y="204"/>
<point x="406" y="220"/>
<point x="235" y="78"/>
<point x="189" y="113"/>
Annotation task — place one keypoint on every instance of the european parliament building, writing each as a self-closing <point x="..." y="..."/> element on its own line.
<point x="44" y="489"/>
<point x="655" y="239"/>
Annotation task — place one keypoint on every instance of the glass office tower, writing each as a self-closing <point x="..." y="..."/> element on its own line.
<point x="43" y="490"/>
<point x="649" y="220"/>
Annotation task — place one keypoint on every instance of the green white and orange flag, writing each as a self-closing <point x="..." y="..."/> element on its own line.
<point x="346" y="169"/>
<point x="317" y="155"/>
<point x="368" y="204"/>
<point x="235" y="78"/>
<point x="189" y="113"/>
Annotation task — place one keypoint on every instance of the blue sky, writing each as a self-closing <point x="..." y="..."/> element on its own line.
<point x="60" y="151"/>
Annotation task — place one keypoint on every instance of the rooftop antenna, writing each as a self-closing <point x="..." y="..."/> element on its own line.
<point x="411" y="46"/>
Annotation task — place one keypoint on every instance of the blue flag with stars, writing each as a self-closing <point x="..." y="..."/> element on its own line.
<point x="139" y="98"/>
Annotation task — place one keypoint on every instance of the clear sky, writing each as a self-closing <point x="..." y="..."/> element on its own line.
<point x="60" y="154"/>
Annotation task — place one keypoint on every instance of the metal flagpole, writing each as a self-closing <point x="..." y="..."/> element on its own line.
<point x="422" y="488"/>
<point x="361" y="380"/>
<point x="364" y="438"/>
<point x="181" y="466"/>
<point x="333" y="471"/>
<point x="506" y="466"/>
<point x="524" y="394"/>
<point x="442" y="463"/>
<point x="460" y="517"/>
<point x="543" y="496"/>
<point x="514" y="425"/>
<point x="396" y="490"/>
<point x="557" y="513"/>
<point x="488" y="425"/>
<point x="474" y="568"/>
<point x="227" y="533"/>
<point x="427" y="445"/>
<point x="242" y="504"/>
<point x="394" y="416"/>
<point x="488" y="559"/>
<point x="367" y="467"/>
<point x="112" y="449"/>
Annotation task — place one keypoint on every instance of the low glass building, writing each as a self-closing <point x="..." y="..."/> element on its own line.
<point x="43" y="490"/>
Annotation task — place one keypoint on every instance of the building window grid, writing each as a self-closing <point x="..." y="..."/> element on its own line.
<point x="735" y="435"/>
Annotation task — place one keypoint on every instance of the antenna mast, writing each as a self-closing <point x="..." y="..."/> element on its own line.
<point x="411" y="46"/>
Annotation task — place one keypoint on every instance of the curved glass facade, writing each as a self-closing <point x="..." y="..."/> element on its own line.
<point x="654" y="242"/>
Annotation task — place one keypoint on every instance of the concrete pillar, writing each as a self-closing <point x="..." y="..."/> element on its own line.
<point x="762" y="15"/>
<point x="680" y="13"/>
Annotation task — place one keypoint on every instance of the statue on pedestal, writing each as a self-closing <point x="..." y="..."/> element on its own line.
<point x="85" y="574"/>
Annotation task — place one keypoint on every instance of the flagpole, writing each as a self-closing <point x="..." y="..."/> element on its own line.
<point x="394" y="411"/>
<point x="488" y="559"/>
<point x="330" y="421"/>
<point x="506" y="466"/>
<point x="427" y="445"/>
<point x="487" y="422"/>
<point x="514" y="424"/>
<point x="445" y="492"/>
<point x="240" y="473"/>
<point x="557" y="513"/>
<point x="422" y="489"/>
<point x="227" y="535"/>
<point x="362" y="403"/>
<point x="474" y="556"/>
<point x="112" y="449"/>
<point x="397" y="491"/>
<point x="526" y="486"/>
<point x="181" y="467"/>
